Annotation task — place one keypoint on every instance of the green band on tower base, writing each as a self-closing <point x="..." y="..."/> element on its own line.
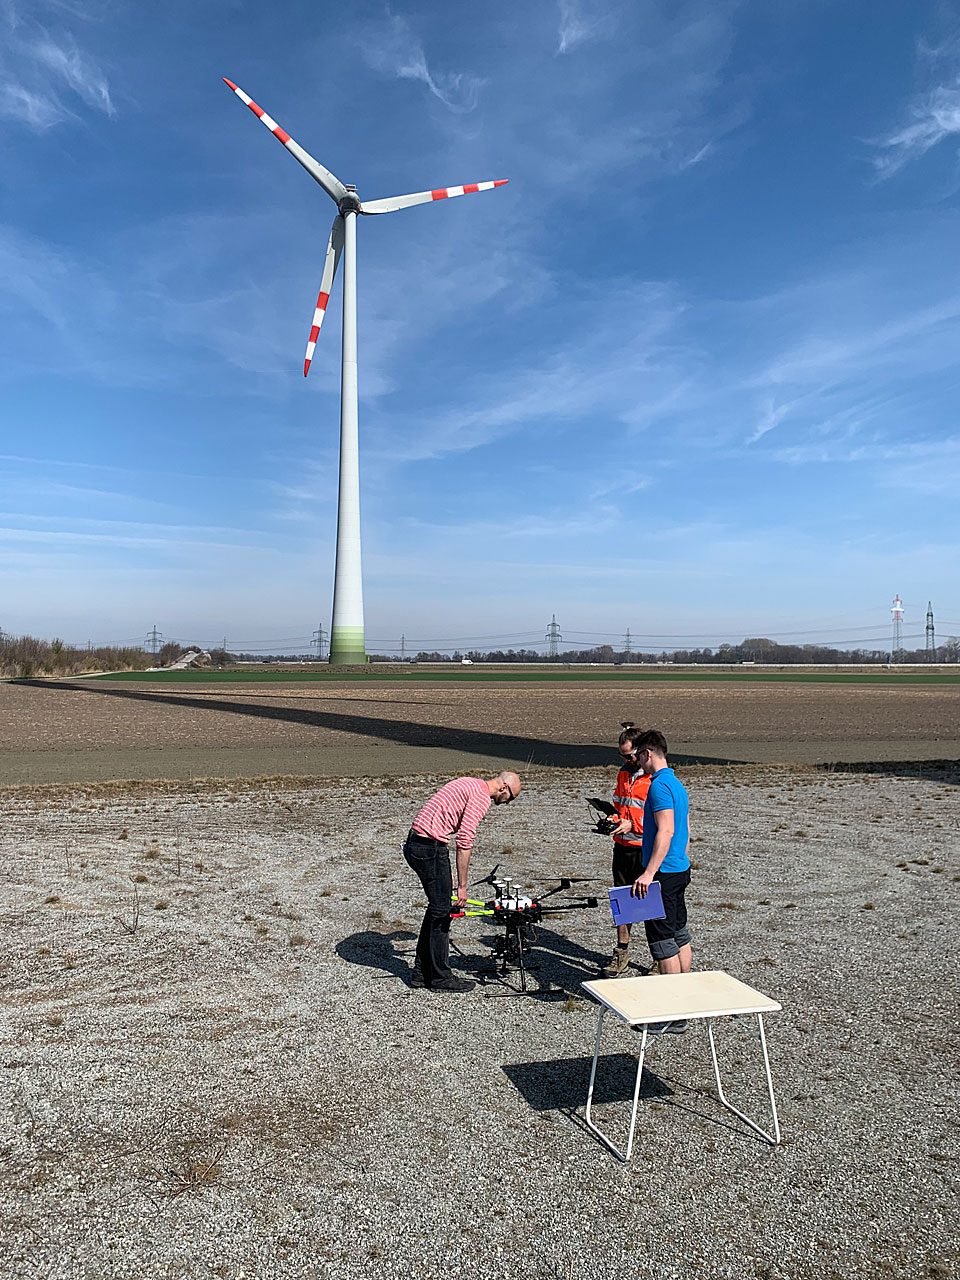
<point x="347" y="647"/>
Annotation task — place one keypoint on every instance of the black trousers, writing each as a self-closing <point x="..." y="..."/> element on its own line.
<point x="431" y="861"/>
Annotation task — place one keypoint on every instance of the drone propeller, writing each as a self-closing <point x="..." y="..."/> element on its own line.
<point x="489" y="878"/>
<point x="602" y="806"/>
<point x="565" y="881"/>
<point x="564" y="884"/>
<point x="554" y="909"/>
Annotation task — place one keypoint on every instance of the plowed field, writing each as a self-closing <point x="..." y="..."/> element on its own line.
<point x="75" y="731"/>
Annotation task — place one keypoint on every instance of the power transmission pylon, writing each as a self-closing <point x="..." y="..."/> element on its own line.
<point x="627" y="646"/>
<point x="403" y="648"/>
<point x="897" y="611"/>
<point x="553" y="638"/>
<point x="931" y="635"/>
<point x="153" y="640"/>
<point x="320" y="640"/>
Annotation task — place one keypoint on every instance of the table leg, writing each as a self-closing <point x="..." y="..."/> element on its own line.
<point x="773" y="1138"/>
<point x="636" y="1093"/>
<point x="593" y="1068"/>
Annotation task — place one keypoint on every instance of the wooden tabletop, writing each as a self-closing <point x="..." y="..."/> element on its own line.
<point x="710" y="993"/>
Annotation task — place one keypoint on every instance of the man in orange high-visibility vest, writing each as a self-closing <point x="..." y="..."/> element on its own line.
<point x="629" y="796"/>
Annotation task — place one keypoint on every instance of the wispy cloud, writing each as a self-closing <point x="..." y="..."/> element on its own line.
<point x="67" y="63"/>
<point x="581" y="21"/>
<point x="177" y="285"/>
<point x="932" y="116"/>
<point x="665" y="107"/>
<point x="38" y="111"/>
<point x="393" y="48"/>
<point x="771" y="416"/>
<point x="40" y="73"/>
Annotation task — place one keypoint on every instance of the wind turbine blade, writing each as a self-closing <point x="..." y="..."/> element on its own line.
<point x="331" y="184"/>
<point x="334" y="249"/>
<point x="392" y="203"/>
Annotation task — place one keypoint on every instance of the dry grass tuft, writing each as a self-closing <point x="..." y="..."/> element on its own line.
<point x="193" y="1172"/>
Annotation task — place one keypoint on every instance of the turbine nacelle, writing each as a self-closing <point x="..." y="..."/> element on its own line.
<point x="350" y="202"/>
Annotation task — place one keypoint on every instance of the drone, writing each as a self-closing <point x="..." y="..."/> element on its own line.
<point x="517" y="914"/>
<point x="607" y="821"/>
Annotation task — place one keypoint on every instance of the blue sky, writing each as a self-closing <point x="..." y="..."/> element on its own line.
<point x="693" y="372"/>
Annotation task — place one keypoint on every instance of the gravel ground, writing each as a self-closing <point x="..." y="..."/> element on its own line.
<point x="232" y="1079"/>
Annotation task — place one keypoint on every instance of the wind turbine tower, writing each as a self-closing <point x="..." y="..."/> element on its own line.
<point x="347" y="646"/>
<point x="931" y="635"/>
<point x="897" y="612"/>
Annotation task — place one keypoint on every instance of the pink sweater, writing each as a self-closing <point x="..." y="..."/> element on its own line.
<point x="458" y="806"/>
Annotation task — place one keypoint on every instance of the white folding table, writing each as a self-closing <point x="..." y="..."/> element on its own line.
<point x="674" y="997"/>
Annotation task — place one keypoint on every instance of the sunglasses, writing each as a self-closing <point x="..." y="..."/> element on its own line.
<point x="506" y="787"/>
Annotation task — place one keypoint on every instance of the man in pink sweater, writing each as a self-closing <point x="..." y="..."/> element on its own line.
<point x="457" y="807"/>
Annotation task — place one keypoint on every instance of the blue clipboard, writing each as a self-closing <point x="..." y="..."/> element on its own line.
<point x="628" y="909"/>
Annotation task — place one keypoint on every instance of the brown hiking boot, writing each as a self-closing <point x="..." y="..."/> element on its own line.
<point x="618" y="964"/>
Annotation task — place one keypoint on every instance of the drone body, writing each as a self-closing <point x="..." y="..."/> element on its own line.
<point x="517" y="913"/>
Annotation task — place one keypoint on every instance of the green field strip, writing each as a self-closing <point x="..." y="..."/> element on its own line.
<point x="367" y="676"/>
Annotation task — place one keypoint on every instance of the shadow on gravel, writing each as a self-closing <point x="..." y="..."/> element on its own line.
<point x="947" y="771"/>
<point x="564" y="963"/>
<point x="508" y="747"/>
<point x="377" y="950"/>
<point x="561" y="1084"/>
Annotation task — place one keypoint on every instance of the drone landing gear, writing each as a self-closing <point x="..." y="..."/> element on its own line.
<point x="511" y="954"/>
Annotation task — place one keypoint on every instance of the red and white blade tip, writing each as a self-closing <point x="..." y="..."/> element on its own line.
<point x="259" y="112"/>
<point x="321" y="310"/>
<point x="468" y="189"/>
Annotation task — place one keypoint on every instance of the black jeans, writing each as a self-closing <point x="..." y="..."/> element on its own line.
<point x="431" y="861"/>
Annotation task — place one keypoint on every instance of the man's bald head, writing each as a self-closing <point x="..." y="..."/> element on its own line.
<point x="505" y="787"/>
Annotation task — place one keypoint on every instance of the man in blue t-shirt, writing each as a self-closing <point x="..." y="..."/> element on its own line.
<point x="664" y="857"/>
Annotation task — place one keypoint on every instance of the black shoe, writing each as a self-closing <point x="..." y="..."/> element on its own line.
<point x="460" y="985"/>
<point x="416" y="979"/>
<point x="677" y="1028"/>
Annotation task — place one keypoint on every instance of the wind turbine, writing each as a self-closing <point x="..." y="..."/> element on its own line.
<point x="346" y="631"/>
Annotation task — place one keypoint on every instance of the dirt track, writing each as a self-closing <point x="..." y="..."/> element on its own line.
<point x="62" y="732"/>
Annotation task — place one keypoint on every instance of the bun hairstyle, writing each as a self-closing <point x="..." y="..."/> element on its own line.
<point x="630" y="732"/>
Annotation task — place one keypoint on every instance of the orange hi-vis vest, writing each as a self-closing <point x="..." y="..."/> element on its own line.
<point x="628" y="799"/>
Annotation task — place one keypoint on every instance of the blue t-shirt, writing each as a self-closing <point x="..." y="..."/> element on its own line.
<point x="667" y="792"/>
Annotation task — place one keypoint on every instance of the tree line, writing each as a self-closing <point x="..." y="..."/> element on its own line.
<point x="758" y="649"/>
<point x="24" y="656"/>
